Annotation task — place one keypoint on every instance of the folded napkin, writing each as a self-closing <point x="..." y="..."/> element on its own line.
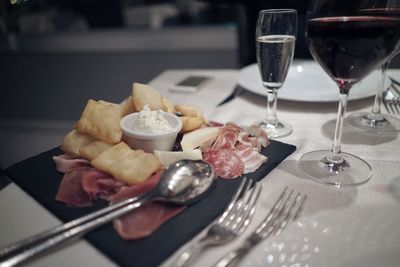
<point x="39" y="178"/>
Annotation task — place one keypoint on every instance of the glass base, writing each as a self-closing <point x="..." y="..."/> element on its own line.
<point x="276" y="129"/>
<point x="344" y="171"/>
<point x="365" y="122"/>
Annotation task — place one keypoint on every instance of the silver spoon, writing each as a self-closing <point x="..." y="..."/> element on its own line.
<point x="184" y="182"/>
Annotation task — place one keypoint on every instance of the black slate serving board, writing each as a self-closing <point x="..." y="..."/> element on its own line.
<point x="39" y="178"/>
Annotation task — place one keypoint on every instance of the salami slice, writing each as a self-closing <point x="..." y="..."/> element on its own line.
<point x="225" y="163"/>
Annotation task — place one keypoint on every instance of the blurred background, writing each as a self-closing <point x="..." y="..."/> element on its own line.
<point x="54" y="55"/>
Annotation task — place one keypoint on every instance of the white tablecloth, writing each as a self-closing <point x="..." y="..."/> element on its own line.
<point x="313" y="125"/>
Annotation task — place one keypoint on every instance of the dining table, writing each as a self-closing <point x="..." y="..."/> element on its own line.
<point x="354" y="214"/>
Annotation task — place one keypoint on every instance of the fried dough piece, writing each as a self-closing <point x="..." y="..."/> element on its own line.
<point x="74" y="141"/>
<point x="105" y="159"/>
<point x="127" y="106"/>
<point x="109" y="103"/>
<point x="101" y="121"/>
<point x="189" y="111"/>
<point x="127" y="165"/>
<point x="136" y="167"/>
<point x="191" y="123"/>
<point x="94" y="149"/>
<point x="192" y="118"/>
<point x="144" y="94"/>
<point x="167" y="105"/>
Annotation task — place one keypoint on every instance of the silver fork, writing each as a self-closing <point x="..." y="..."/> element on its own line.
<point x="232" y="222"/>
<point x="286" y="208"/>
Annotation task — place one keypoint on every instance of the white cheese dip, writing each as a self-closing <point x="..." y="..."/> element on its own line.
<point x="150" y="121"/>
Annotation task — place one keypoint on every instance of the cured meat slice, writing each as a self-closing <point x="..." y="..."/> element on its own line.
<point x="259" y="134"/>
<point x="71" y="191"/>
<point x="227" y="137"/>
<point x="250" y="157"/>
<point x="80" y="186"/>
<point x="225" y="163"/>
<point x="214" y="124"/>
<point x="145" y="220"/>
<point x="66" y="162"/>
<point x="98" y="184"/>
<point x="137" y="189"/>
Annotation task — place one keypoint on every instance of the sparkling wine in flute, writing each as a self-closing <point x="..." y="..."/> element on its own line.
<point x="275" y="54"/>
<point x="275" y="38"/>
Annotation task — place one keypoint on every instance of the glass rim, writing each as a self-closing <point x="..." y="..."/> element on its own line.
<point x="278" y="10"/>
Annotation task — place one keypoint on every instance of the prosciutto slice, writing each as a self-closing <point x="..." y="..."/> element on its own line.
<point x="227" y="137"/>
<point x="137" y="189"/>
<point x="145" y="220"/>
<point x="80" y="186"/>
<point x="99" y="184"/>
<point x="236" y="151"/>
<point x="66" y="162"/>
<point x="71" y="191"/>
<point x="250" y="157"/>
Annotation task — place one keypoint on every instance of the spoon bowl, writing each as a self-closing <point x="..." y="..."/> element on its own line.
<point x="185" y="181"/>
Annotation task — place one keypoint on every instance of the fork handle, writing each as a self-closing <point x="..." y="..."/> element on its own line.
<point x="233" y="257"/>
<point x="185" y="256"/>
<point x="191" y="252"/>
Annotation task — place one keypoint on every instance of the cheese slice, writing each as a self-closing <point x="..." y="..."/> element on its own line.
<point x="168" y="157"/>
<point x="198" y="137"/>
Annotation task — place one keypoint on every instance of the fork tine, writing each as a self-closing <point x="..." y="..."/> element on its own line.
<point x="233" y="201"/>
<point x="234" y="215"/>
<point x="385" y="103"/>
<point x="285" y="218"/>
<point x="396" y="106"/>
<point x="282" y="215"/>
<point x="248" y="212"/>
<point x="300" y="209"/>
<point x="269" y="216"/>
<point x="392" y="109"/>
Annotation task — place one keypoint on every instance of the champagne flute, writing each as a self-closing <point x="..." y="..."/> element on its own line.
<point x="275" y="40"/>
<point x="348" y="46"/>
<point x="375" y="121"/>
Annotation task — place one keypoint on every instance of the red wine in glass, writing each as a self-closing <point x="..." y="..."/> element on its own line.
<point x="348" y="48"/>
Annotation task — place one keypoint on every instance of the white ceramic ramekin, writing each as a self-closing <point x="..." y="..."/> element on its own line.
<point x="150" y="141"/>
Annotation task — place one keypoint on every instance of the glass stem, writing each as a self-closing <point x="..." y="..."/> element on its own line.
<point x="271" y="105"/>
<point x="376" y="110"/>
<point x="337" y="140"/>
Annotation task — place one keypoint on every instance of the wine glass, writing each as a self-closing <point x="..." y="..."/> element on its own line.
<point x="375" y="122"/>
<point x="275" y="40"/>
<point x="348" y="46"/>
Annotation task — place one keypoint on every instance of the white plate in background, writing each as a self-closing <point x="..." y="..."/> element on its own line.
<point x="367" y="237"/>
<point x="307" y="82"/>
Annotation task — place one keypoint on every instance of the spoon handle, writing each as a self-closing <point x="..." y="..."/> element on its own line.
<point x="21" y="251"/>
